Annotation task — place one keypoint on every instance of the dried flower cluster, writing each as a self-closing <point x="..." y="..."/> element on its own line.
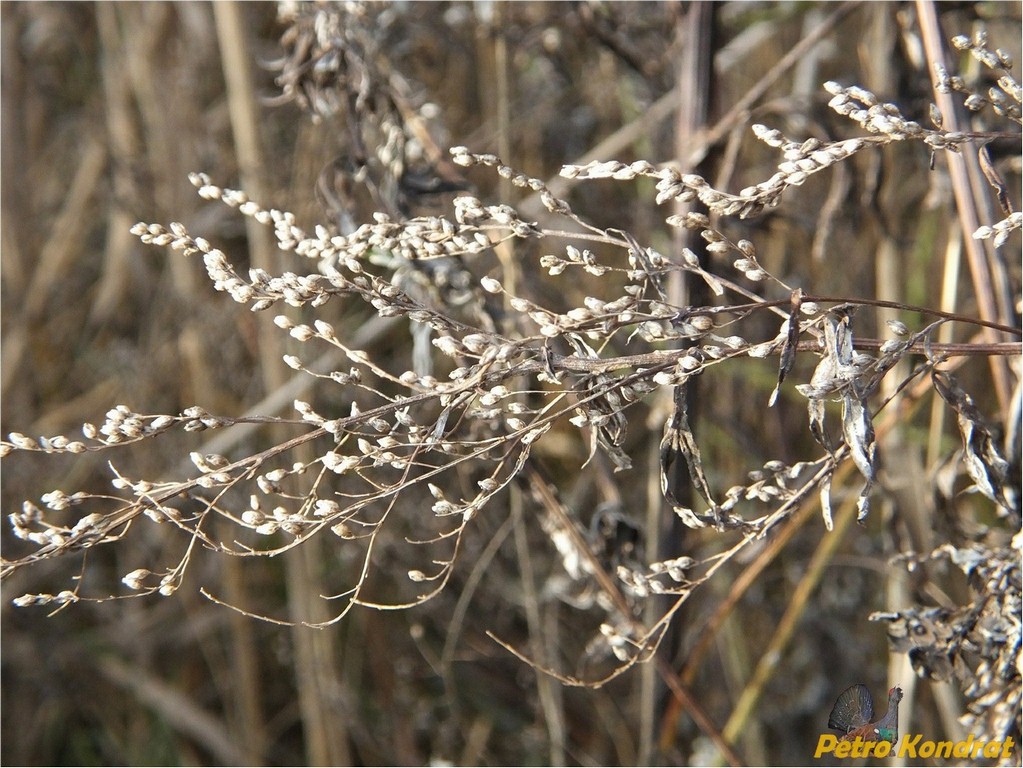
<point x="977" y="644"/>
<point x="455" y="431"/>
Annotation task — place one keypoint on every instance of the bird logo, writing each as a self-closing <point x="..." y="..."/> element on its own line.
<point x="852" y="713"/>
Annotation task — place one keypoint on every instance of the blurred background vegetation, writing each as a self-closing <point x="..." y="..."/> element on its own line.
<point x="106" y="107"/>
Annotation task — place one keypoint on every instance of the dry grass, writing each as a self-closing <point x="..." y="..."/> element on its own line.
<point x="598" y="411"/>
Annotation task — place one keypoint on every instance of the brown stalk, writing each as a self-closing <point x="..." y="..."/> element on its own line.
<point x="694" y="37"/>
<point x="542" y="489"/>
<point x="232" y="36"/>
<point x="549" y="698"/>
<point x="665" y="106"/>
<point x="123" y="144"/>
<point x="749" y="576"/>
<point x="176" y="709"/>
<point x="973" y="207"/>
<point x="788" y="623"/>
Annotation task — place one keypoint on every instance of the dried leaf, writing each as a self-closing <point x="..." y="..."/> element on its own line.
<point x="994" y="179"/>
<point x="679" y="443"/>
<point x="607" y="432"/>
<point x="689" y="518"/>
<point x="825" y="488"/>
<point x="815" y="411"/>
<point x="788" y="350"/>
<point x="984" y="462"/>
<point x="858" y="430"/>
<point x="863" y="503"/>
<point x="838" y="339"/>
<point x="712" y="282"/>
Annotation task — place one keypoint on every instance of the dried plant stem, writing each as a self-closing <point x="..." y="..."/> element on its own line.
<point x="609" y="586"/>
<point x="807" y="511"/>
<point x="245" y="686"/>
<point x="722" y="741"/>
<point x="57" y="253"/>
<point x="900" y="669"/>
<point x="739" y="111"/>
<point x="60" y="250"/>
<point x="948" y="302"/>
<point x="549" y="700"/>
<point x="788" y="623"/>
<point x="745" y="580"/>
<point x="316" y="670"/>
<point x="964" y="169"/>
<point x="166" y="154"/>
<point x="411" y="468"/>
<point x="694" y="35"/>
<point x="180" y="711"/>
<point x="123" y="148"/>
<point x="665" y="106"/>
<point x="502" y="114"/>
<point x="234" y="52"/>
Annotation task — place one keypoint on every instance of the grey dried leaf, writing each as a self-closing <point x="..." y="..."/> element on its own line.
<point x="838" y="339"/>
<point x="994" y="179"/>
<point x="897" y="327"/>
<point x="984" y="462"/>
<point x="977" y="643"/>
<point x="788" y="350"/>
<point x="863" y="503"/>
<point x="815" y="413"/>
<point x="825" y="491"/>
<point x="858" y="429"/>
<point x="712" y="282"/>
<point x="689" y="518"/>
<point x="925" y="636"/>
<point x="679" y="458"/>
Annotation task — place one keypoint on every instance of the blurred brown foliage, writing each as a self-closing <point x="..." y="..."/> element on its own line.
<point x="107" y="107"/>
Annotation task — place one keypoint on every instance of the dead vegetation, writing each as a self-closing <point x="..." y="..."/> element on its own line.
<point x="582" y="343"/>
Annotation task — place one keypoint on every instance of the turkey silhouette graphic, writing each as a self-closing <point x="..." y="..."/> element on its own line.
<point x="854" y="709"/>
